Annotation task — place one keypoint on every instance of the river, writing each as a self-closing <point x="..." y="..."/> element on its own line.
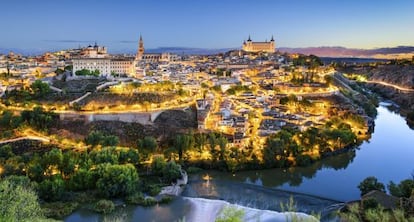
<point x="320" y="187"/>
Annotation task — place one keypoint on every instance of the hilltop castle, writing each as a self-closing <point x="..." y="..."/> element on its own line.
<point x="250" y="46"/>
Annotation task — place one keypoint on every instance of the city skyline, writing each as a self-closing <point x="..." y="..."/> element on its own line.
<point x="50" y="25"/>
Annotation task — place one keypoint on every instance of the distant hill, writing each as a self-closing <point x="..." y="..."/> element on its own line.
<point x="189" y="51"/>
<point x="323" y="51"/>
<point x="379" y="53"/>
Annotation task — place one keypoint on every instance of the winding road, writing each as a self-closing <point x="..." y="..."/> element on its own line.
<point x="404" y="89"/>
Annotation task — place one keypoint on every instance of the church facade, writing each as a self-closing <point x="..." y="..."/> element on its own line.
<point x="266" y="46"/>
<point x="151" y="57"/>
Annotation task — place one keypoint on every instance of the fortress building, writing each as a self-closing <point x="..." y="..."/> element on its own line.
<point x="250" y="46"/>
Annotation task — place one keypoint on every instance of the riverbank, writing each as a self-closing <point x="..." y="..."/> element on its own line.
<point x="334" y="178"/>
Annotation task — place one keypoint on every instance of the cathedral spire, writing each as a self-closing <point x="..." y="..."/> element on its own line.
<point x="272" y="40"/>
<point x="141" y="49"/>
<point x="249" y="40"/>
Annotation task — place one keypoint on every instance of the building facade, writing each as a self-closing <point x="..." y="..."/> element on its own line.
<point x="152" y="57"/>
<point x="96" y="58"/>
<point x="125" y="65"/>
<point x="250" y="46"/>
<point x="106" y="66"/>
<point x="103" y="65"/>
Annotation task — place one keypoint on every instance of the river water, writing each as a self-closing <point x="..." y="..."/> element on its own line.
<point x="321" y="187"/>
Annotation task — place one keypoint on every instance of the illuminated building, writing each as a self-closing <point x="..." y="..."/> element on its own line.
<point x="250" y="46"/>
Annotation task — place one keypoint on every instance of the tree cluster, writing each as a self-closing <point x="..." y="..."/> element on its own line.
<point x="87" y="72"/>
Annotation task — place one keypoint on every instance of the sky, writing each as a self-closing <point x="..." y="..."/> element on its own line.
<point x="53" y="25"/>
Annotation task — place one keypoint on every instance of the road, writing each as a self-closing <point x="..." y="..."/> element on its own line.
<point x="404" y="89"/>
<point x="38" y="138"/>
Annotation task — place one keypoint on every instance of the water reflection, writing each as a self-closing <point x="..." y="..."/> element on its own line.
<point x="277" y="177"/>
<point x="387" y="155"/>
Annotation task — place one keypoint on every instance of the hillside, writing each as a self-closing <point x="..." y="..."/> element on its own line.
<point x="397" y="74"/>
<point x="378" y="53"/>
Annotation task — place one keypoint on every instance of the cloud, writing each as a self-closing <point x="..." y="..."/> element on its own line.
<point x="127" y="41"/>
<point x="67" y="40"/>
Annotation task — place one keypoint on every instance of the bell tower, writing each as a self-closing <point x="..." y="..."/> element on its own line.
<point x="141" y="50"/>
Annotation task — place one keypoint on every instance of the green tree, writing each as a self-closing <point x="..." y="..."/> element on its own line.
<point x="39" y="89"/>
<point x="158" y="165"/>
<point x="18" y="202"/>
<point x="105" y="155"/>
<point x="36" y="169"/>
<point x="200" y="141"/>
<point x="6" y="119"/>
<point x="52" y="160"/>
<point x="38" y="118"/>
<point x="82" y="179"/>
<point x="171" y="172"/>
<point x="6" y="151"/>
<point x="129" y="156"/>
<point x="94" y="138"/>
<point x="68" y="163"/>
<point x="369" y="184"/>
<point x="52" y="189"/>
<point x="116" y="180"/>
<point x="83" y="72"/>
<point x="147" y="145"/>
<point x="404" y="189"/>
<point x="110" y="140"/>
<point x="222" y="142"/>
<point x="182" y="143"/>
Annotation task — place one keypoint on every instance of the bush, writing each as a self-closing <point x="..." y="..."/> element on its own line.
<point x="192" y="170"/>
<point x="303" y="160"/>
<point x="149" y="201"/>
<point x="116" y="180"/>
<point x="369" y="203"/>
<point x="410" y="116"/>
<point x="171" y="172"/>
<point x="136" y="198"/>
<point x="104" y="206"/>
<point x="369" y="184"/>
<point x="52" y="189"/>
<point x="59" y="210"/>
<point x="154" y="190"/>
<point x="166" y="200"/>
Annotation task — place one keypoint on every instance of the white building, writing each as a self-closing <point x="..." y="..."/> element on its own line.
<point x="96" y="58"/>
<point x="106" y="66"/>
<point x="92" y="64"/>
<point x="125" y="65"/>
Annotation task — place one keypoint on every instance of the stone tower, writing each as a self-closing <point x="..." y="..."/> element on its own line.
<point x="140" y="52"/>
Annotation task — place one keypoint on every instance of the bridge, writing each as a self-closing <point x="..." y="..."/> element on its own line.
<point x="128" y="116"/>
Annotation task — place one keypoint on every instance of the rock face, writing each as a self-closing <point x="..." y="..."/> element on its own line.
<point x="176" y="119"/>
<point x="398" y="74"/>
<point x="165" y="126"/>
<point x="395" y="74"/>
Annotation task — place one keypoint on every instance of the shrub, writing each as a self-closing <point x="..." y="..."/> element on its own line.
<point x="192" y="170"/>
<point x="136" y="198"/>
<point x="149" y="201"/>
<point x="154" y="190"/>
<point x="369" y="203"/>
<point x="166" y="200"/>
<point x="104" y="206"/>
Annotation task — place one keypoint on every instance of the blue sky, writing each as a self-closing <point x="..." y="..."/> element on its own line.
<point x="52" y="24"/>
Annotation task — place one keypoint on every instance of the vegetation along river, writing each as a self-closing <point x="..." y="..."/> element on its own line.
<point x="320" y="187"/>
